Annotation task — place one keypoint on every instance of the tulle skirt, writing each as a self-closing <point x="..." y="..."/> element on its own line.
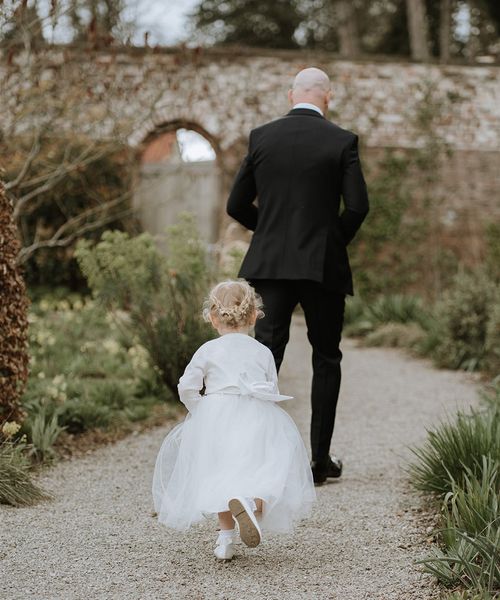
<point x="233" y="445"/>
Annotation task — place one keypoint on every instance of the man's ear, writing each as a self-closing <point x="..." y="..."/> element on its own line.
<point x="290" y="97"/>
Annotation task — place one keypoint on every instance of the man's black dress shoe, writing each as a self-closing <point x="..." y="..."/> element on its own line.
<point x="331" y="468"/>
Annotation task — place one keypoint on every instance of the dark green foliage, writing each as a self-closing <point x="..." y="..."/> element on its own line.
<point x="162" y="298"/>
<point x="380" y="254"/>
<point x="79" y="415"/>
<point x="394" y="38"/>
<point x="249" y="22"/>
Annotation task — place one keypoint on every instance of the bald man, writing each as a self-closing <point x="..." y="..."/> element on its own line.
<point x="298" y="168"/>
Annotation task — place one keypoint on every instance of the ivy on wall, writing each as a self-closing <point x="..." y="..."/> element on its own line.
<point x="400" y="246"/>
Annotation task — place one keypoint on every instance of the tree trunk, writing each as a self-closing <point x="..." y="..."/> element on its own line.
<point x="347" y="29"/>
<point x="13" y="318"/>
<point x="418" y="29"/>
<point x="444" y="30"/>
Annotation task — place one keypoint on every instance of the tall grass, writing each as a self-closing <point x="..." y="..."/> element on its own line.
<point x="474" y="506"/>
<point x="460" y="463"/>
<point x="364" y="317"/>
<point x="472" y="561"/>
<point x="468" y="595"/>
<point x="44" y="430"/>
<point x="455" y="449"/>
<point x="16" y="485"/>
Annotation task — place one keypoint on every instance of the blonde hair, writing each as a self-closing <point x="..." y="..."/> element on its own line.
<point x="233" y="304"/>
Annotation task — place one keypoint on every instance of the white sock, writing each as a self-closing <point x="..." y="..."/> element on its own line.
<point x="251" y="501"/>
<point x="225" y="535"/>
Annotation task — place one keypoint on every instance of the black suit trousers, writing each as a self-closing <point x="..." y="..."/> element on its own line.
<point x="324" y="314"/>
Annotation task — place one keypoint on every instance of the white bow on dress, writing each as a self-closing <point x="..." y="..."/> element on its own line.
<point x="264" y="390"/>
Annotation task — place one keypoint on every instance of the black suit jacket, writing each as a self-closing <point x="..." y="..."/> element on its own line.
<point x="298" y="167"/>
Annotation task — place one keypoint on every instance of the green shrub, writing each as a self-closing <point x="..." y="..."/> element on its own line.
<point x="467" y="322"/>
<point x="468" y="595"/>
<point x="160" y="299"/>
<point x="454" y="450"/>
<point x="85" y="373"/>
<point x="473" y="561"/>
<point x="43" y="431"/>
<point x="398" y="308"/>
<point x="493" y="250"/>
<point x="396" y="335"/>
<point x="139" y="412"/>
<point x="362" y="317"/>
<point x="461" y="462"/>
<point x="231" y="261"/>
<point x="491" y="394"/>
<point x="16" y="485"/>
<point x="474" y="506"/>
<point x="470" y="538"/>
<point x="113" y="394"/>
<point x="79" y="415"/>
<point x="492" y="346"/>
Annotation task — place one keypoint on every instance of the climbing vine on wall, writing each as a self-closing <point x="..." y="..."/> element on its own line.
<point x="398" y="248"/>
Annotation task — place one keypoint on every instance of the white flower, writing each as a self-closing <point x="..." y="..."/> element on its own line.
<point x="138" y="357"/>
<point x="44" y="305"/>
<point x="10" y="428"/>
<point x="63" y="305"/>
<point x="111" y="346"/>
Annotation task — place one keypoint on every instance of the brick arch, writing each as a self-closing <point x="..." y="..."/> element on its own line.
<point x="155" y="128"/>
<point x="181" y="123"/>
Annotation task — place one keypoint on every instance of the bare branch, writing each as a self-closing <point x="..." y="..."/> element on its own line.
<point x="35" y="149"/>
<point x="59" y="239"/>
<point x="52" y="179"/>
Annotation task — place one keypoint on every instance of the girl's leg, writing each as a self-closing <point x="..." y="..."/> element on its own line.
<point x="224" y="546"/>
<point x="259" y="503"/>
<point x="226" y="520"/>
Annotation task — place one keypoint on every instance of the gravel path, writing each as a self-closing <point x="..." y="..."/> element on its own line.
<point x="98" y="540"/>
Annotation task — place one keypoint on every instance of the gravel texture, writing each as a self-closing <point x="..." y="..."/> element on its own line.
<point x="98" y="539"/>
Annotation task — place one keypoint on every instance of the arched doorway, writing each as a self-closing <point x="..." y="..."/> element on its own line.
<point x="179" y="172"/>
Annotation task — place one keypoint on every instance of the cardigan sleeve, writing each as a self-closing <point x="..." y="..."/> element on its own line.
<point x="192" y="381"/>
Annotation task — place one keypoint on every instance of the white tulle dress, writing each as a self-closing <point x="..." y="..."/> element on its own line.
<point x="235" y="441"/>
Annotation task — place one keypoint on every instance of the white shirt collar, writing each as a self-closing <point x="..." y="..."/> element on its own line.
<point x="309" y="106"/>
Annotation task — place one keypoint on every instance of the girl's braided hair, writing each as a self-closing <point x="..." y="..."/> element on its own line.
<point x="233" y="304"/>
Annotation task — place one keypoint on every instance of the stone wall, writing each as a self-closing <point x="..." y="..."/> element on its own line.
<point x="227" y="93"/>
<point x="223" y="94"/>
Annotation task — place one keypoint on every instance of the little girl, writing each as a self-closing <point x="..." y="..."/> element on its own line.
<point x="237" y="453"/>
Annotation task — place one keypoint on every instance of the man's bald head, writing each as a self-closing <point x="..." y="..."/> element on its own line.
<point x="311" y="85"/>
